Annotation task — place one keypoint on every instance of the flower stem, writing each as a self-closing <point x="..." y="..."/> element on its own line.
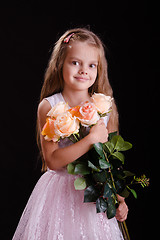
<point x="75" y="137"/>
<point x="122" y="225"/>
<point x="110" y="170"/>
<point x="124" y="230"/>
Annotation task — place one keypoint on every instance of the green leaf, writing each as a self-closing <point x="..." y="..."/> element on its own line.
<point x="94" y="168"/>
<point x="101" y="205"/>
<point x="133" y="192"/>
<point x="108" y="146"/>
<point x="109" y="195"/>
<point x="91" y="194"/>
<point x="126" y="146"/>
<point x="111" y="209"/>
<point x="100" y="176"/>
<point x="80" y="183"/>
<point x="110" y="135"/>
<point x="125" y="193"/>
<point x="128" y="173"/>
<point x="99" y="149"/>
<point x="107" y="191"/>
<point x="117" y="142"/>
<point x="102" y="114"/>
<point x="82" y="169"/>
<point x="70" y="168"/>
<point x="119" y="156"/>
<point x="104" y="164"/>
<point x="120" y="185"/>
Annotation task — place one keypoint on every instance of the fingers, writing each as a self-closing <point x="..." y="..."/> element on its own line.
<point x="99" y="132"/>
<point x="120" y="198"/>
<point x="101" y="121"/>
<point x="122" y="212"/>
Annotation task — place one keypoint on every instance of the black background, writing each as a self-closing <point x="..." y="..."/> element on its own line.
<point x="28" y="33"/>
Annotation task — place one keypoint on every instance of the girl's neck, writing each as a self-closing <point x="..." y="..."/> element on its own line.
<point x="74" y="98"/>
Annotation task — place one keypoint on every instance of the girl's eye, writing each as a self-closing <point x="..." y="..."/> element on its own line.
<point x="76" y="63"/>
<point x="92" y="65"/>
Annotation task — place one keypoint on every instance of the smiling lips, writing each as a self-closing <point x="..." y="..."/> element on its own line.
<point x="82" y="79"/>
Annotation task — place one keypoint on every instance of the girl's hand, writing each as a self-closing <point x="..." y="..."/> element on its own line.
<point x="99" y="132"/>
<point x="122" y="210"/>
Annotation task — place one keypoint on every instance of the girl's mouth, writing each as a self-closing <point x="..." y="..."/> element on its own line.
<point x="81" y="79"/>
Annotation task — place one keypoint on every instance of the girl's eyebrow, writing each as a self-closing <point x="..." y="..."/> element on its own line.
<point x="76" y="58"/>
<point x="73" y="58"/>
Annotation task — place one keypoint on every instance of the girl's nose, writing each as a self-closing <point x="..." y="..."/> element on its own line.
<point x="83" y="72"/>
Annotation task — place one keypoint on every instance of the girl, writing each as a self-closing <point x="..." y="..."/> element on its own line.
<point x="55" y="210"/>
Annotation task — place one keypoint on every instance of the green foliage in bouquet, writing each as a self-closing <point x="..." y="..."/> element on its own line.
<point x="102" y="176"/>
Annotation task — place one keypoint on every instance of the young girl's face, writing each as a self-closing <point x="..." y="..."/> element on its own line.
<point x="80" y="66"/>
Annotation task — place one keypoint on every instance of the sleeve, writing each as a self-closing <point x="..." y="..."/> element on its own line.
<point x="106" y="119"/>
<point x="51" y="100"/>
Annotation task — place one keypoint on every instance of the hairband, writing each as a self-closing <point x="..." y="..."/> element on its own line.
<point x="66" y="40"/>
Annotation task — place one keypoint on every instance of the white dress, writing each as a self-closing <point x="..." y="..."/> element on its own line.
<point x="56" y="211"/>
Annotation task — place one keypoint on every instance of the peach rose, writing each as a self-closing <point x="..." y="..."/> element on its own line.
<point x="59" y="108"/>
<point x="75" y="111"/>
<point x="102" y="102"/>
<point x="66" y="125"/>
<point x="49" y="130"/>
<point x="87" y="114"/>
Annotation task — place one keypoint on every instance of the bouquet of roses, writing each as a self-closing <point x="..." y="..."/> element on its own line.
<point x="100" y="172"/>
<point x="63" y="122"/>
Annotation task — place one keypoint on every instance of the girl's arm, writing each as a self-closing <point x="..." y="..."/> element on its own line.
<point x="56" y="157"/>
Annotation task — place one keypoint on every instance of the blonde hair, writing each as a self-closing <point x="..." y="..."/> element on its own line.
<point x="53" y="79"/>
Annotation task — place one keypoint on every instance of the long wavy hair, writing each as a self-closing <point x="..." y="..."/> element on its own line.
<point x="53" y="79"/>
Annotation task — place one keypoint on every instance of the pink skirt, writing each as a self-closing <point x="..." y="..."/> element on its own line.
<point x="55" y="211"/>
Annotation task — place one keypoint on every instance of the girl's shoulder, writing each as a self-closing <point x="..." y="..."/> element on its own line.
<point x="45" y="106"/>
<point x="54" y="99"/>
